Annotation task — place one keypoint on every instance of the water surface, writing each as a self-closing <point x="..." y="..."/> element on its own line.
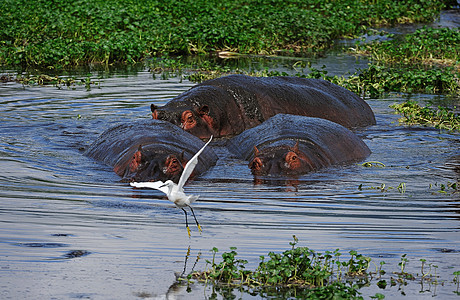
<point x="70" y="229"/>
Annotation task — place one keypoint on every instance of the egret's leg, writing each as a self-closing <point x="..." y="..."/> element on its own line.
<point x="186" y="222"/>
<point x="197" y="224"/>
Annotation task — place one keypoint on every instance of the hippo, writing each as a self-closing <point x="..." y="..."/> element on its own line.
<point x="228" y="105"/>
<point x="149" y="150"/>
<point x="292" y="145"/>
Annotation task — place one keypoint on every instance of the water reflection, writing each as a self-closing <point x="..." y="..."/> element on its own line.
<point x="181" y="285"/>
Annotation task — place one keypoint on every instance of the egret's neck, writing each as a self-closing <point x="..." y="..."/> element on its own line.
<point x="170" y="187"/>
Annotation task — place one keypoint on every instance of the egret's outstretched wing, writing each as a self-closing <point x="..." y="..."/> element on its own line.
<point x="158" y="185"/>
<point x="190" y="166"/>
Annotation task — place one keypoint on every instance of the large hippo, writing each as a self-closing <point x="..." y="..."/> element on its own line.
<point x="149" y="150"/>
<point x="229" y="105"/>
<point x="292" y="145"/>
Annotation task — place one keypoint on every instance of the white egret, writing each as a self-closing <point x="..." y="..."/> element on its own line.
<point x="175" y="192"/>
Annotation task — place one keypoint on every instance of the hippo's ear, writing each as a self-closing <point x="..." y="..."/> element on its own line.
<point x="256" y="151"/>
<point x="295" y="149"/>
<point x="256" y="164"/>
<point x="153" y="107"/>
<point x="136" y="159"/>
<point x="125" y="168"/>
<point x="203" y="110"/>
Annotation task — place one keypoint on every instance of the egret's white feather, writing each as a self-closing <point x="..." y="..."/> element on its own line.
<point x="158" y="185"/>
<point x="190" y="166"/>
<point x="175" y="192"/>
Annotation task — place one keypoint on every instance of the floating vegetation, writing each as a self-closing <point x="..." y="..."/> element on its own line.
<point x="303" y="273"/>
<point x="426" y="61"/>
<point x="48" y="80"/>
<point x="371" y="82"/>
<point x="384" y="188"/>
<point x="448" y="188"/>
<point x="428" y="46"/>
<point x="457" y="281"/>
<point x="59" y="33"/>
<point x="195" y="71"/>
<point x="377" y="80"/>
<point x="307" y="272"/>
<point x="440" y="117"/>
<point x="369" y="164"/>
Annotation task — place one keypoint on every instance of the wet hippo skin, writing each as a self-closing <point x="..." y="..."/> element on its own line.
<point x="149" y="150"/>
<point x="228" y="105"/>
<point x="293" y="145"/>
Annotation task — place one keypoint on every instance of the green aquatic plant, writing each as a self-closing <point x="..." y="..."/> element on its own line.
<point x="376" y="80"/>
<point x="427" y="45"/>
<point x="379" y="295"/>
<point x="298" y="267"/>
<point x="369" y="164"/>
<point x="457" y="281"/>
<point x="403" y="263"/>
<point x="56" y="81"/>
<point x="440" y="117"/>
<point x="59" y="33"/>
<point x="426" y="61"/>
<point x="303" y="273"/>
<point x="449" y="187"/>
<point x="384" y="188"/>
<point x="300" y="272"/>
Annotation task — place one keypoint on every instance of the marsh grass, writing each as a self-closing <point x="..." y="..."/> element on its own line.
<point x="56" y="35"/>
<point x="426" y="61"/>
<point x="60" y="33"/>
<point x="373" y="81"/>
<point x="428" y="46"/>
<point x="376" y="80"/>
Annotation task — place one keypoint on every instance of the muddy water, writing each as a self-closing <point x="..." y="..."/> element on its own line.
<point x="70" y="229"/>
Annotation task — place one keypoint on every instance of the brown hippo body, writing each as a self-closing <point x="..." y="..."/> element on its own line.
<point x="293" y="145"/>
<point x="229" y="105"/>
<point x="149" y="150"/>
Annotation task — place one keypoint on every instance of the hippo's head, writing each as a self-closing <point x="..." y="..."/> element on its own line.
<point x="150" y="165"/>
<point x="197" y="121"/>
<point x="282" y="160"/>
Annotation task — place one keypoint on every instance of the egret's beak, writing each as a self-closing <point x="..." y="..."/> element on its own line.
<point x="163" y="185"/>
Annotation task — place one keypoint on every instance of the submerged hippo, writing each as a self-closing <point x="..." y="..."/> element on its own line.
<point x="149" y="150"/>
<point x="229" y="105"/>
<point x="292" y="145"/>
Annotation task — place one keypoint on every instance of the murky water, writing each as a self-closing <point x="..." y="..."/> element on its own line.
<point x="70" y="229"/>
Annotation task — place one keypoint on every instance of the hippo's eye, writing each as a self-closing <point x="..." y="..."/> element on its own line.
<point x="291" y="158"/>
<point x="187" y="120"/>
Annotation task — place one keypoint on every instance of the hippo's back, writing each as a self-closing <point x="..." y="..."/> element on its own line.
<point x="338" y="143"/>
<point x="263" y="97"/>
<point x="121" y="140"/>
